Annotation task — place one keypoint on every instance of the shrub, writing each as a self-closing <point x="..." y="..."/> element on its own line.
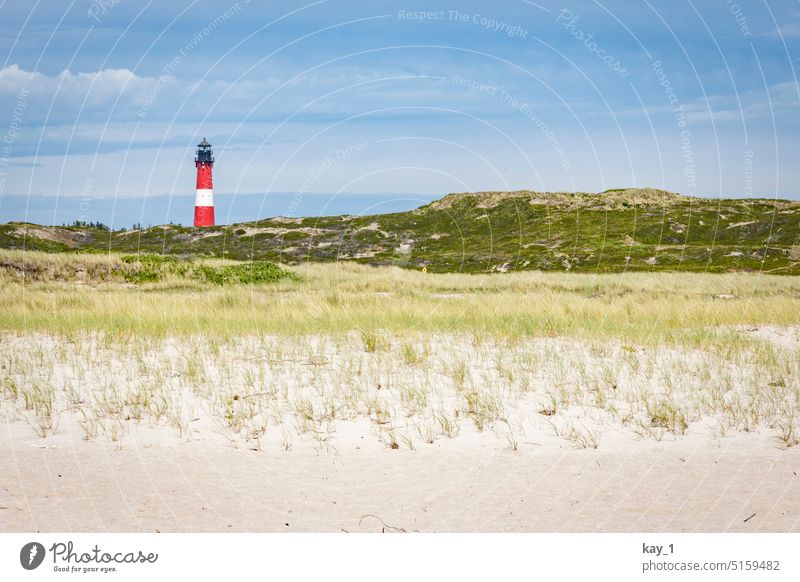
<point x="145" y="267"/>
<point x="248" y="273"/>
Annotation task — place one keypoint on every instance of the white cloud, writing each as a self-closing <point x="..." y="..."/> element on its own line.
<point x="69" y="96"/>
<point x="121" y="94"/>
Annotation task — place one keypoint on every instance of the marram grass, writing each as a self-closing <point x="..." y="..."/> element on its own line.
<point x="75" y="292"/>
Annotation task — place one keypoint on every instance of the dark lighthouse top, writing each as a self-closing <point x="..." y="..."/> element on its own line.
<point x="204" y="153"/>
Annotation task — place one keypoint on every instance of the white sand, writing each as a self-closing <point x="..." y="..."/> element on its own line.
<point x="690" y="486"/>
<point x="342" y="474"/>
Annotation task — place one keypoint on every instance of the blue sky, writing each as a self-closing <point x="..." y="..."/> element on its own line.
<point x="370" y="102"/>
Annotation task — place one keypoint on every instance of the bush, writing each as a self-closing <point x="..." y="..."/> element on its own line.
<point x="96" y="225"/>
<point x="247" y="274"/>
<point x="143" y="275"/>
<point x="149" y="259"/>
<point x="294" y="235"/>
<point x="148" y="267"/>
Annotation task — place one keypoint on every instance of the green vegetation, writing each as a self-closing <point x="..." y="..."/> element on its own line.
<point x="27" y="266"/>
<point x="283" y="357"/>
<point x="257" y="272"/>
<point x="276" y="333"/>
<point x="94" y="225"/>
<point x="46" y="291"/>
<point x="620" y="230"/>
<point x="146" y="268"/>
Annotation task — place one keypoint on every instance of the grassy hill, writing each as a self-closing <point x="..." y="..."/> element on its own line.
<point x="613" y="231"/>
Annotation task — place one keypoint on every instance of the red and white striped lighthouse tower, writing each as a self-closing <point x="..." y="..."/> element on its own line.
<point x="204" y="199"/>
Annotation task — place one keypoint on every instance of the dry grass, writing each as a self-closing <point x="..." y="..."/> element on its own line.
<point x="276" y="392"/>
<point x="412" y="358"/>
<point x="335" y="298"/>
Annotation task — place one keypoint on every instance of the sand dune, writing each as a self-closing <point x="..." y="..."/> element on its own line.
<point x="321" y="434"/>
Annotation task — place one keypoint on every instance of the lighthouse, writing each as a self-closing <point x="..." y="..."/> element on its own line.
<point x="204" y="199"/>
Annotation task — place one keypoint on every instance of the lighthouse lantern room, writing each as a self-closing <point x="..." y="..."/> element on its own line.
<point x="204" y="199"/>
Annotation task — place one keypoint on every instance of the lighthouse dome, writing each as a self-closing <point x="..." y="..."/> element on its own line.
<point x="204" y="153"/>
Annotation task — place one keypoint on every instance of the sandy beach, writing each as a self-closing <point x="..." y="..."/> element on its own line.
<point x="745" y="483"/>
<point x="343" y="445"/>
